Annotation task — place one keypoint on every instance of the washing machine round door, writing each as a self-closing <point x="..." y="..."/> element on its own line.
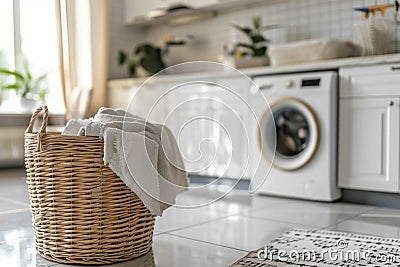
<point x="289" y="134"/>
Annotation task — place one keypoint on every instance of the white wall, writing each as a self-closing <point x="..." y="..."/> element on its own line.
<point x="302" y="19"/>
<point x="121" y="37"/>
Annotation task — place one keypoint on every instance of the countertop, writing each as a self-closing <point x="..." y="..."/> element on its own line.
<point x="22" y="119"/>
<point x="311" y="66"/>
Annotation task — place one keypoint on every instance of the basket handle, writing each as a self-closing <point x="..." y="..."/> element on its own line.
<point x="44" y="124"/>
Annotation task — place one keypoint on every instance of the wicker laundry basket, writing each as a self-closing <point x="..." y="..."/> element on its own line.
<point x="82" y="212"/>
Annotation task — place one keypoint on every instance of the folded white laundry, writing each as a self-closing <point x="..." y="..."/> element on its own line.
<point x="74" y="126"/>
<point x="144" y="155"/>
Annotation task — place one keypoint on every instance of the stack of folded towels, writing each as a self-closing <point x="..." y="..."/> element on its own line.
<point x="144" y="155"/>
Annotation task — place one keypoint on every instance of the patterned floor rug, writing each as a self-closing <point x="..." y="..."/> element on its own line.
<point x="300" y="247"/>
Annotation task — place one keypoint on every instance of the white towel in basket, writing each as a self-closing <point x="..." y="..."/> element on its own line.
<point x="144" y="155"/>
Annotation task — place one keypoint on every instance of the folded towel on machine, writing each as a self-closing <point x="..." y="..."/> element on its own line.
<point x="144" y="155"/>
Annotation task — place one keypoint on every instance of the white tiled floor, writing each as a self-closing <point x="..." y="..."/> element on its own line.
<point x="213" y="235"/>
<point x="379" y="222"/>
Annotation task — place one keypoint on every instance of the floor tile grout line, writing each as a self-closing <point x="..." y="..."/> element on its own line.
<point x="238" y="214"/>
<point x="257" y="209"/>
<point x="352" y="217"/>
<point x="206" y="242"/>
<point x="244" y="213"/>
<point x="319" y="227"/>
<point x="279" y="202"/>
<point x="173" y="232"/>
<point x="292" y="202"/>
<point x="15" y="201"/>
<point x="192" y="225"/>
<point x="220" y="218"/>
<point x="279" y="221"/>
<point x="14" y="211"/>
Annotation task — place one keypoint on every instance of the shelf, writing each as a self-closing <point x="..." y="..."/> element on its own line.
<point x="305" y="67"/>
<point x="184" y="16"/>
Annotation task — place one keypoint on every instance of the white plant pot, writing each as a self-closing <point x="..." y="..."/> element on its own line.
<point x="249" y="62"/>
<point x="28" y="105"/>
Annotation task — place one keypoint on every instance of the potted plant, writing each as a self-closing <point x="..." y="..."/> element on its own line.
<point x="31" y="89"/>
<point x="144" y="57"/>
<point x="253" y="53"/>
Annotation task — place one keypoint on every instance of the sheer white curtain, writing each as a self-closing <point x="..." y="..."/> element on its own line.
<point x="83" y="27"/>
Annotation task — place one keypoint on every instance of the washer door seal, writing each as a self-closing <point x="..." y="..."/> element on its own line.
<point x="296" y="134"/>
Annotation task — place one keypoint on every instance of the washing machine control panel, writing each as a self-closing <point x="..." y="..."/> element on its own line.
<point x="291" y="82"/>
<point x="310" y="82"/>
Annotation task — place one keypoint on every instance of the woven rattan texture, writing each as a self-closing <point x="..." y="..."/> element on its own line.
<point x="81" y="211"/>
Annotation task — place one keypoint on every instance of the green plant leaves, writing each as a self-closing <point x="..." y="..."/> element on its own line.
<point x="145" y="55"/>
<point x="254" y="51"/>
<point x="257" y="38"/>
<point x="152" y="60"/>
<point x="28" y="74"/>
<point x="12" y="86"/>
<point x="122" y="57"/>
<point x="151" y="65"/>
<point x="16" y="74"/>
<point x="145" y="49"/>
<point x="259" y="51"/>
<point x="25" y="83"/>
<point x="257" y="23"/>
<point x="245" y="30"/>
<point x="247" y="46"/>
<point x="132" y="68"/>
<point x="257" y="46"/>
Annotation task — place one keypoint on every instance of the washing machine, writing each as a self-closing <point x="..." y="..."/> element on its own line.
<point x="294" y="135"/>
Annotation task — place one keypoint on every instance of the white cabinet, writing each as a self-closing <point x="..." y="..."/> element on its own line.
<point x="142" y="98"/>
<point x="120" y="94"/>
<point x="150" y="101"/>
<point x="208" y="116"/>
<point x="209" y="122"/>
<point x="369" y="143"/>
<point x="369" y="125"/>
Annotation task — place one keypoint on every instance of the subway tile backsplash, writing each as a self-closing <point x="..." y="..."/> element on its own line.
<point x="300" y="20"/>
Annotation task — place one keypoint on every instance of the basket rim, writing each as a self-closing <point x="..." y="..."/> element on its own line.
<point x="58" y="134"/>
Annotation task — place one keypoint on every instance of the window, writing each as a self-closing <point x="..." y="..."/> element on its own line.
<point x="28" y="33"/>
<point x="6" y="34"/>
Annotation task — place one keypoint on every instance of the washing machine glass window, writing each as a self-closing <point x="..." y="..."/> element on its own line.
<point x="296" y="132"/>
<point x="292" y="132"/>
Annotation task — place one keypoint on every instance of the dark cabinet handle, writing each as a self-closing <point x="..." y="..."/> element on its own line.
<point x="395" y="68"/>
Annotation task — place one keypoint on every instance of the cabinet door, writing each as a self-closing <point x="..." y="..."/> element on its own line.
<point x="369" y="143"/>
<point x="212" y="138"/>
<point x="120" y="96"/>
<point x="209" y="123"/>
<point x="149" y="102"/>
